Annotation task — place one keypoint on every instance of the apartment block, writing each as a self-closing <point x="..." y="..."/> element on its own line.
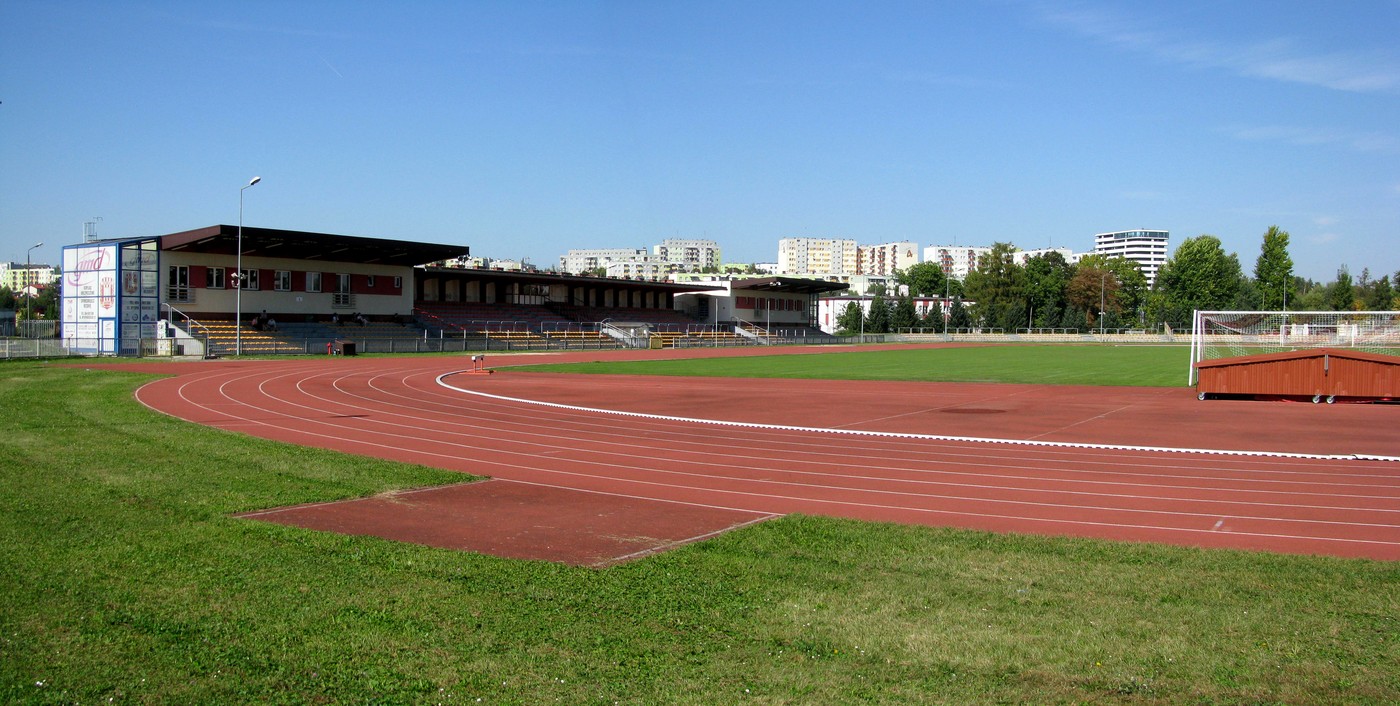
<point x="580" y="261"/>
<point x="817" y="256"/>
<point x="956" y="260"/>
<point x="688" y="255"/>
<point x="887" y="258"/>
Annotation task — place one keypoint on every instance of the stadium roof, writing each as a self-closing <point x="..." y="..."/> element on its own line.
<point x="302" y="245"/>
<point x="794" y="285"/>
<point x="558" y="278"/>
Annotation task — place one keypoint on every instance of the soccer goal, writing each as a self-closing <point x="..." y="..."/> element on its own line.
<point x="1229" y="334"/>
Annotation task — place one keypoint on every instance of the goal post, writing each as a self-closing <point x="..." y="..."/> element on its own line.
<point x="1230" y="334"/>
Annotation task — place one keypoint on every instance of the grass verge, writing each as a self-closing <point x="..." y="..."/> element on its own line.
<point x="125" y="580"/>
<point x="1151" y="366"/>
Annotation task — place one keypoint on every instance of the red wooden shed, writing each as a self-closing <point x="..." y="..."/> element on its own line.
<point x="1317" y="373"/>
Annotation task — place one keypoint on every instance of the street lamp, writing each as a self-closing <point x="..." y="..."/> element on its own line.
<point x="947" y="309"/>
<point x="1103" y="279"/>
<point x="238" y="276"/>
<point x="29" y="294"/>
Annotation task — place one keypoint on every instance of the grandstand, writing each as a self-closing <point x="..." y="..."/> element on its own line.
<point x="194" y="292"/>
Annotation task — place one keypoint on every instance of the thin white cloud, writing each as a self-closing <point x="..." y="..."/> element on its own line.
<point x="1369" y="142"/>
<point x="1278" y="59"/>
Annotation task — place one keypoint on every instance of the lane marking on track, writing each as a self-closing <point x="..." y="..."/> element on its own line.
<point x="442" y="380"/>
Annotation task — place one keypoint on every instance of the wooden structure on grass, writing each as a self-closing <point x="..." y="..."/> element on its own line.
<point x="1318" y="374"/>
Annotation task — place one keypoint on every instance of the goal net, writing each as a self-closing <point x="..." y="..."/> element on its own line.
<point x="1228" y="334"/>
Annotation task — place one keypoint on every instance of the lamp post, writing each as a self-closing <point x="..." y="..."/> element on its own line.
<point x="29" y="293"/>
<point x="238" y="276"/>
<point x="947" y="307"/>
<point x="1103" y="279"/>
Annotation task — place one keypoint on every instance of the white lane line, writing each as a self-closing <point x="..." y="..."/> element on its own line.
<point x="904" y="435"/>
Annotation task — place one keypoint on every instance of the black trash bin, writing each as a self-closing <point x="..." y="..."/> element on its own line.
<point x="344" y="347"/>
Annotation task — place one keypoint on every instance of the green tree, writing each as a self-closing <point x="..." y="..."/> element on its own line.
<point x="1312" y="298"/>
<point x="1198" y="276"/>
<point x="1341" y="295"/>
<point x="922" y="280"/>
<point x="1273" y="271"/>
<point x="933" y="318"/>
<point x="1132" y="287"/>
<point x="1381" y="296"/>
<point x="1047" y="276"/>
<point x="996" y="285"/>
<point x="1075" y="319"/>
<point x="958" y="315"/>
<point x="904" y="315"/>
<point x="1093" y="290"/>
<point x="1249" y="296"/>
<point x="878" y="320"/>
<point x="851" y="320"/>
<point x="50" y="299"/>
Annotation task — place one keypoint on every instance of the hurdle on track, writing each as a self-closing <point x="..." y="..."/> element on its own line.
<point x="479" y="366"/>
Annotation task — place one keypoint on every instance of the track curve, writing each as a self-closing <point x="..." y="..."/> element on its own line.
<point x="396" y="408"/>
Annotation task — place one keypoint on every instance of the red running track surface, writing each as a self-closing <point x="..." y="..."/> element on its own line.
<point x="397" y="408"/>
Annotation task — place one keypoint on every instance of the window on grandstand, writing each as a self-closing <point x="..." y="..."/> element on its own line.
<point x="369" y="281"/>
<point x="249" y="280"/>
<point x="180" y="284"/>
<point x="216" y="278"/>
<point x="282" y="281"/>
<point x="313" y="281"/>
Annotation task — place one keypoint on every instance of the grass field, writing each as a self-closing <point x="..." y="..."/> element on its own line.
<point x="126" y="581"/>
<point x="1151" y="366"/>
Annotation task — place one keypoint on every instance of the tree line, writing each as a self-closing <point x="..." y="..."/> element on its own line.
<point x="44" y="305"/>
<point x="1098" y="292"/>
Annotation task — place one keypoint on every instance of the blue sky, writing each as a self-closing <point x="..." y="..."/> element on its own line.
<point x="523" y="129"/>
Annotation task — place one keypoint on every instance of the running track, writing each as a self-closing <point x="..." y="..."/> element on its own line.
<point x="413" y="409"/>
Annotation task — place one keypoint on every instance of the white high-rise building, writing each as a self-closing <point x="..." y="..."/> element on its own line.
<point x="1148" y="248"/>
<point x="956" y="260"/>
<point x="579" y="261"/>
<point x="1022" y="256"/>
<point x="887" y="258"/>
<point x="816" y="256"/>
<point x="688" y="254"/>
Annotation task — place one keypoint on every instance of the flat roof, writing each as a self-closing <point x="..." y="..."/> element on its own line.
<point x="303" y="245"/>
<point x="795" y="285"/>
<point x="558" y="278"/>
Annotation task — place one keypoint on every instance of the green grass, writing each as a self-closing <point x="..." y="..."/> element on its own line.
<point x="126" y="581"/>
<point x="1152" y="366"/>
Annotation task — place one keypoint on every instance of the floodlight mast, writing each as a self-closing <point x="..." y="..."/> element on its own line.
<point x="238" y="276"/>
